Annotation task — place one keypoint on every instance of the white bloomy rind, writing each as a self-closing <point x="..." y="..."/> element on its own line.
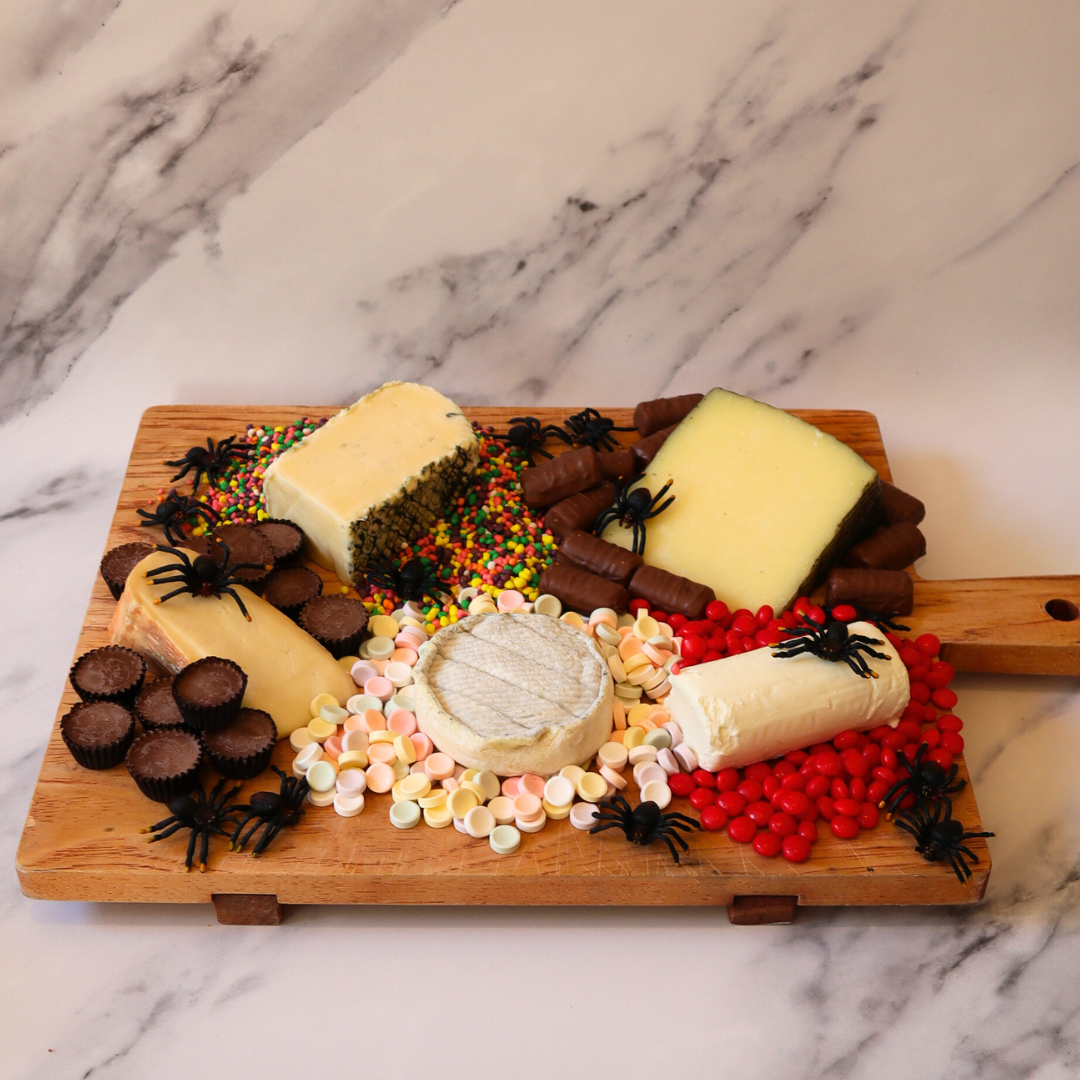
<point x="514" y="693"/>
<point x="754" y="706"/>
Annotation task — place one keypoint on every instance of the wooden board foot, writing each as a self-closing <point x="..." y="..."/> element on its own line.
<point x="247" y="909"/>
<point x="761" y="910"/>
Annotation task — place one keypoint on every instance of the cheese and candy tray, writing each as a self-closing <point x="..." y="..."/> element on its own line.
<point x="807" y="826"/>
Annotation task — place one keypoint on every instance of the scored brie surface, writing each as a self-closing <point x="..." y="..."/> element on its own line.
<point x="754" y="706"/>
<point x="514" y="693"/>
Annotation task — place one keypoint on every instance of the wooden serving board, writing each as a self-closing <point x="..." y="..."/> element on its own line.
<point x="81" y="840"/>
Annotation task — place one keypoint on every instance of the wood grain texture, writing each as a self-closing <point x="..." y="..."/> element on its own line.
<point x="81" y="840"/>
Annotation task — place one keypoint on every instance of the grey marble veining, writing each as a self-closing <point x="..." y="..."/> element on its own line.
<point x="540" y="202"/>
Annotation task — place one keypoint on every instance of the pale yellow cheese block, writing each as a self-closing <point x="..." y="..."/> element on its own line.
<point x="764" y="502"/>
<point x="286" y="667"/>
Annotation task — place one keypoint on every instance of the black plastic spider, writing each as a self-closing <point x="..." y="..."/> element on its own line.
<point x="175" y="511"/>
<point x="210" y="461"/>
<point x="274" y="810"/>
<point x="632" y="509"/>
<point x="203" y="816"/>
<point x="203" y="576"/>
<point x="887" y="619"/>
<point x="940" y="838"/>
<point x="589" y="428"/>
<point x="832" y="641"/>
<point x="412" y="581"/>
<point x="527" y="436"/>
<point x="643" y="824"/>
<point x="927" y="780"/>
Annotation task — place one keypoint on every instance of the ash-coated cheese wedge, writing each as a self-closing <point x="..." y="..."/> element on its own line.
<point x="375" y="476"/>
<point x="514" y="693"/>
<point x="286" y="667"/>
<point x="764" y="502"/>
<point x="755" y="706"/>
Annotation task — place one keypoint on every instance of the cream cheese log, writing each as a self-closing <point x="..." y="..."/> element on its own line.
<point x="285" y="666"/>
<point x="755" y="706"/>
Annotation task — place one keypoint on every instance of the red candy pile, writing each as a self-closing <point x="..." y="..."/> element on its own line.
<point x="779" y="806"/>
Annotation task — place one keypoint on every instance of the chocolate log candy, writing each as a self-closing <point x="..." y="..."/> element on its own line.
<point x="579" y="511"/>
<point x="878" y="592"/>
<point x="899" y="506"/>
<point x="588" y="552"/>
<point x="891" y="548"/>
<point x="616" y="464"/>
<point x="663" y="412"/>
<point x="582" y="591"/>
<point x="670" y="593"/>
<point x="566" y="474"/>
<point x="644" y="450"/>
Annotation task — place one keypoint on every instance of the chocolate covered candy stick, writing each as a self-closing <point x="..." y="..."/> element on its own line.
<point x="579" y="511"/>
<point x="582" y="591"/>
<point x="566" y="474"/>
<point x="651" y="416"/>
<point x="891" y="548"/>
<point x="671" y="593"/>
<point x="879" y="592"/>
<point x="588" y="552"/>
<point x="644" y="450"/>
<point x="899" y="506"/>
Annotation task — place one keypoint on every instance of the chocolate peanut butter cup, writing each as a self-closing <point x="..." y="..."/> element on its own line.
<point x="243" y="748"/>
<point x="208" y="692"/>
<point x="119" y="562"/>
<point x="98" y="733"/>
<point x="109" y="674"/>
<point x="156" y="707"/>
<point x="247" y="545"/>
<point x="165" y="763"/>
<point x="286" y="539"/>
<point x="336" y="622"/>
<point x="289" y="588"/>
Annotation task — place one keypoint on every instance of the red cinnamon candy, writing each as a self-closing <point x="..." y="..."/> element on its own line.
<point x="664" y="591"/>
<point x="565" y="474"/>
<point x="582" y="591"/>
<point x="588" y="552"/>
<point x="659" y="413"/>
<point x="579" y="511"/>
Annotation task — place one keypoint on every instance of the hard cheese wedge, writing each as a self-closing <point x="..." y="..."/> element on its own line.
<point x="756" y="706"/>
<point x="764" y="502"/>
<point x="286" y="667"/>
<point x="375" y="476"/>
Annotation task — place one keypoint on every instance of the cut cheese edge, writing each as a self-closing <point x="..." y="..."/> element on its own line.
<point x="514" y="693"/>
<point x="764" y="502"/>
<point x="286" y="667"/>
<point x="754" y="706"/>
<point x="375" y="476"/>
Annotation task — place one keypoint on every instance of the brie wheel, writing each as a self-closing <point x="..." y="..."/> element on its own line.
<point x="754" y="706"/>
<point x="513" y="693"/>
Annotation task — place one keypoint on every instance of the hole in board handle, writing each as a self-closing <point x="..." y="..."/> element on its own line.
<point x="1062" y="610"/>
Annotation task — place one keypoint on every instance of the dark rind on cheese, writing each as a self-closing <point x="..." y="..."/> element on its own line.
<point x="412" y="510"/>
<point x="644" y="450"/>
<point x="588" y="552"/>
<point x="899" y="506"/>
<point x="857" y="524"/>
<point x="581" y="591"/>
<point x="579" y="511"/>
<point x="875" y="592"/>
<point x="670" y="593"/>
<point x="561" y="476"/>
<point x="891" y="548"/>
<point x="659" y="413"/>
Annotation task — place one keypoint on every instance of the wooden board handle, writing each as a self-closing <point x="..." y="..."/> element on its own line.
<point x="1013" y="626"/>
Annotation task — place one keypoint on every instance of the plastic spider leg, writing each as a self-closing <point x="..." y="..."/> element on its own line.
<point x="169" y="596"/>
<point x="167" y="833"/>
<point x="638" y="546"/>
<point x="858" y="666"/>
<point x="611" y="825"/>
<point x="960" y="868"/>
<point x="267" y="836"/>
<point x="660" y="509"/>
<point x="160" y="825"/>
<point x="259" y="823"/>
<point x="204" y="850"/>
<point x="666" y="832"/>
<point x="968" y="852"/>
<point x="671" y="847"/>
<point x="236" y="596"/>
<point x="191" y="847"/>
<point x="894" y="797"/>
<point x="674" y="817"/>
<point x="604" y="520"/>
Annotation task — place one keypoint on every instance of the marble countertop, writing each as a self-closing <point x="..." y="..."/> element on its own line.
<point x="847" y="205"/>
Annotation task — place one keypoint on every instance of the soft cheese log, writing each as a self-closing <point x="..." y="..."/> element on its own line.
<point x="285" y="666"/>
<point x="755" y="706"/>
<point x="764" y="503"/>
<point x="375" y="476"/>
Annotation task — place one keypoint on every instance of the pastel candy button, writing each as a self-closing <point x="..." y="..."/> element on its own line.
<point x="534" y="825"/>
<point x="556" y="813"/>
<point x="461" y="801"/>
<point x="510" y="600"/>
<point x="348" y="805"/>
<point x="401" y="723"/>
<point x="667" y="761"/>
<point x="527" y="807"/>
<point x="583" y="815"/>
<point x="504" y="839"/>
<point x="421" y="744"/>
<point x="363" y="670"/>
<point x="400" y="674"/>
<point x="592" y="787"/>
<point x="613" y="778"/>
<point x="352" y="782"/>
<point x="321" y="798"/>
<point x="532" y="783"/>
<point x="460" y="826"/>
<point x="358" y="704"/>
<point x="642" y="753"/>
<point x="398" y="701"/>
<point x="656" y="791"/>
<point x="308" y="756"/>
<point x="488" y="782"/>
<point x="434" y="797"/>
<point x="686" y="757"/>
<point x="380" y="648"/>
<point x="414" y="785"/>
<point x="374" y="721"/>
<point x="438" y="817"/>
<point x="321" y="730"/>
<point x="354" y="740"/>
<point x="673" y="729"/>
<point x="380" y="777"/>
<point x="573" y="773"/>
<point x="572" y="618"/>
<point x="511" y="787"/>
<point x="300" y="738"/>
<point x="613" y="755"/>
<point x="439" y="766"/>
<point x="546" y="604"/>
<point x="406" y="752"/>
<point x="384" y="753"/>
<point x="647" y="772"/>
<point x="320" y="700"/>
<point x="379" y="687"/>
<point x="404" y="815"/>
<point x="322" y="775"/>
<point x="413" y="610"/>
<point x="383" y="626"/>
<point x="559" y="791"/>
<point x="502" y="808"/>
<point x="479" y="822"/>
<point x="335" y="714"/>
<point x="347" y="661"/>
<point x="352" y="759"/>
<point x="332" y="747"/>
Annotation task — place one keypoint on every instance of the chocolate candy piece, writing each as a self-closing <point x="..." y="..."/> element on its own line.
<point x="876" y="592"/>
<point x="663" y="412"/>
<point x="617" y="463"/>
<point x="98" y="733"/>
<point x="165" y="763"/>
<point x="111" y="673"/>
<point x="208" y="692"/>
<point x="566" y="474"/>
<point x="579" y="511"/>
<point x="899" y="506"/>
<point x="582" y="591"/>
<point x="588" y="552"/>
<point x="891" y="548"/>
<point x="337" y="622"/>
<point x="644" y="450"/>
<point x="671" y="593"/>
<point x="119" y="562"/>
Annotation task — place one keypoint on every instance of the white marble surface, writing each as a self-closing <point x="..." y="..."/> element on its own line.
<point x="838" y="204"/>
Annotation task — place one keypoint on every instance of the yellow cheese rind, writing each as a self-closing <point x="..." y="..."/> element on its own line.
<point x="764" y="502"/>
<point x="286" y="667"/>
<point x="375" y="476"/>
